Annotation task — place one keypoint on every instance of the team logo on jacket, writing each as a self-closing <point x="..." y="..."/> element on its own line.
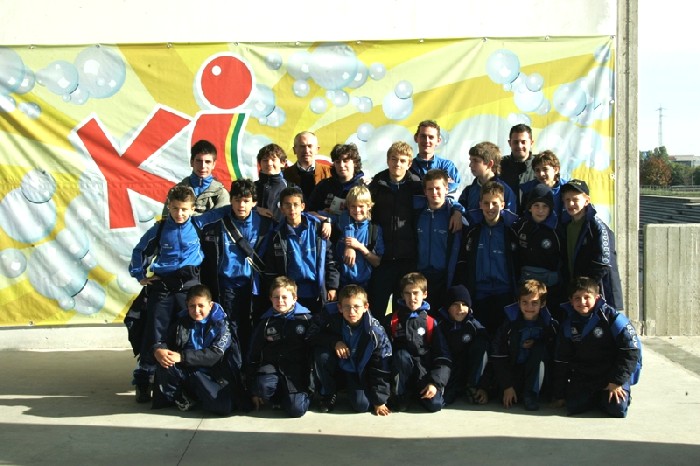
<point x="597" y="332"/>
<point x="300" y="329"/>
<point x="421" y="331"/>
<point x="271" y="334"/>
<point x="546" y="244"/>
<point x="466" y="338"/>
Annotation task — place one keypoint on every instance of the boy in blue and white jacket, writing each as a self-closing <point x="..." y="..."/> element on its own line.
<point x="194" y="363"/>
<point x="174" y="242"/>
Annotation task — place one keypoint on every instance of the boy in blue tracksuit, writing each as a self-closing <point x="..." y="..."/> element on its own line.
<point x="234" y="238"/>
<point x="487" y="263"/>
<point x="437" y="246"/>
<point x="298" y="251"/>
<point x="278" y="369"/>
<point x="522" y="346"/>
<point x="598" y="354"/>
<point x="421" y="359"/>
<point x="174" y="242"/>
<point x="468" y="343"/>
<point x="357" y="243"/>
<point x="193" y="366"/>
<point x="351" y="348"/>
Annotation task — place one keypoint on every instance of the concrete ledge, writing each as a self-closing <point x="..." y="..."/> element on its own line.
<point x="64" y="338"/>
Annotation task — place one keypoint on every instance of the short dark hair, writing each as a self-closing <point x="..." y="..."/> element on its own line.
<point x="352" y="291"/>
<point x="341" y="151"/>
<point x="533" y="287"/>
<point x="291" y="191"/>
<point x="180" y="193"/>
<point x="586" y="284"/>
<point x="436" y="174"/>
<point x="272" y="150"/>
<point x="492" y="187"/>
<point x="520" y="128"/>
<point x="414" y="279"/>
<point x="198" y="291"/>
<point x="242" y="188"/>
<point x="428" y="124"/>
<point x="202" y="147"/>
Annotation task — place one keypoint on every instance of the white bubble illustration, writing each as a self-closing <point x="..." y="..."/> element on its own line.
<point x="377" y="71"/>
<point x="276" y="118"/>
<point x="518" y="119"/>
<point x="11" y="71"/>
<point x="28" y="82"/>
<point x="403" y="89"/>
<point x="528" y="101"/>
<point x="90" y="299"/>
<point x="74" y="241"/>
<point x="248" y="151"/>
<point x="364" y="131"/>
<point x="360" y="77"/>
<point x="338" y="98"/>
<point x="38" y="186"/>
<point x="318" y="105"/>
<point x="127" y="283"/>
<point x="54" y="273"/>
<point x="301" y="88"/>
<point x="12" y="263"/>
<point x="299" y="66"/>
<point x="395" y="108"/>
<point x="78" y="97"/>
<point x="25" y="221"/>
<point x="374" y="154"/>
<point x="333" y="66"/>
<point x="503" y="66"/>
<point x="30" y="109"/>
<point x="273" y="61"/>
<point x="534" y="82"/>
<point x="363" y="104"/>
<point x="569" y="99"/>
<point x="7" y="103"/>
<point x="101" y="71"/>
<point x="261" y="102"/>
<point x="59" y="77"/>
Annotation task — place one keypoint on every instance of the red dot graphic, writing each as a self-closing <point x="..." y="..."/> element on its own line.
<point x="226" y="82"/>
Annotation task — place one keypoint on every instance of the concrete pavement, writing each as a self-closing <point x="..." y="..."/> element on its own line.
<point x="77" y="407"/>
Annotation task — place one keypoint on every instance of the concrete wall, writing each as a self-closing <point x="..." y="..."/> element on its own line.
<point x="671" y="278"/>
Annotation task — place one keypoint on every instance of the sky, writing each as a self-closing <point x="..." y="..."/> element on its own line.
<point x="669" y="76"/>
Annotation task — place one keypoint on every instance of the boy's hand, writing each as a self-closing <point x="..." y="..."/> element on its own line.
<point x="455" y="222"/>
<point x="558" y="403"/>
<point x="509" y="397"/>
<point x="349" y="256"/>
<point x="148" y="280"/>
<point x="326" y="230"/>
<point x="262" y="211"/>
<point x="381" y="410"/>
<point x="342" y="350"/>
<point x="429" y="391"/>
<point x="257" y="402"/>
<point x="166" y="358"/>
<point x="616" y="391"/>
<point x="481" y="396"/>
<point x="330" y="296"/>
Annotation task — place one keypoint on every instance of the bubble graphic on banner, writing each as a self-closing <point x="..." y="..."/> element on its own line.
<point x="374" y="157"/>
<point x="338" y="98"/>
<point x="27" y="83"/>
<point x="363" y="104"/>
<point x="519" y="118"/>
<point x="503" y="66"/>
<point x="333" y="66"/>
<point x="30" y="109"/>
<point x="12" y="263"/>
<point x="59" y="77"/>
<point x="56" y="274"/>
<point x="225" y="81"/>
<point x="38" y="186"/>
<point x="78" y="97"/>
<point x="360" y="77"/>
<point x="377" y="71"/>
<point x="262" y="101"/>
<point x="403" y="89"/>
<point x="301" y="88"/>
<point x="395" y="108"/>
<point x="534" y="82"/>
<point x="25" y="221"/>
<point x="273" y="61"/>
<point x="11" y="70"/>
<point x="299" y="65"/>
<point x="102" y="71"/>
<point x="569" y="99"/>
<point x="90" y="299"/>
<point x="276" y="118"/>
<point x="7" y="103"/>
<point x="318" y="105"/>
<point x="248" y="152"/>
<point x="528" y="101"/>
<point x="364" y="131"/>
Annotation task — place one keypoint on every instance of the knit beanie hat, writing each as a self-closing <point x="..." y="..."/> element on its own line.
<point x="541" y="193"/>
<point x="458" y="293"/>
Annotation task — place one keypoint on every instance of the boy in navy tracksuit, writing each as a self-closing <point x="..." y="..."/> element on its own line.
<point x="588" y="243"/>
<point x="193" y="366"/>
<point x="421" y="359"/>
<point x="351" y="348"/>
<point x="522" y="345"/>
<point x="175" y="244"/>
<point x="487" y="261"/>
<point x="539" y="245"/>
<point x="278" y="361"/>
<point x="598" y="355"/>
<point x="485" y="165"/>
<point x="357" y="243"/>
<point x="468" y="344"/>
<point x="271" y="182"/>
<point x="437" y="245"/>
<point x="234" y="238"/>
<point x="546" y="167"/>
<point x="298" y="251"/>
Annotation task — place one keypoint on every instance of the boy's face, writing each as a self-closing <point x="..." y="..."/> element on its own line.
<point x="428" y="140"/>
<point x="180" y="211"/>
<point x="530" y="306"/>
<point x="491" y="206"/>
<point x="344" y="168"/>
<point x="292" y="207"/>
<point x="520" y="145"/>
<point x="575" y="203"/>
<point x="282" y="300"/>
<point x="353" y="308"/>
<point x="435" y="192"/>
<point x="414" y="297"/>
<point x="398" y="165"/>
<point x="199" y="307"/>
<point x="270" y="165"/>
<point x="546" y="174"/>
<point x="359" y="211"/>
<point x="241" y="206"/>
<point x="203" y="165"/>
<point x="306" y="148"/>
<point x="478" y="167"/>
<point x="583" y="301"/>
<point x="458" y="311"/>
<point x="540" y="211"/>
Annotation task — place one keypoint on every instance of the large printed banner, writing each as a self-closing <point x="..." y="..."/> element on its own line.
<point x="92" y="137"/>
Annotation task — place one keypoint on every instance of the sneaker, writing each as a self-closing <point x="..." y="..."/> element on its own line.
<point x="184" y="403"/>
<point x="398" y="403"/>
<point x="327" y="403"/>
<point x="531" y="403"/>
<point x="143" y="393"/>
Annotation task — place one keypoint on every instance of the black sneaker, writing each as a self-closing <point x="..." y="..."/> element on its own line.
<point x="143" y="393"/>
<point x="184" y="402"/>
<point x="531" y="403"/>
<point x="327" y="403"/>
<point x="398" y="403"/>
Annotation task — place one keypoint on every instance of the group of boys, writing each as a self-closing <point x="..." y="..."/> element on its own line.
<point x="292" y="270"/>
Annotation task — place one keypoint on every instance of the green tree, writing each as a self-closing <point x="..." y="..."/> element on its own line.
<point x="681" y="175"/>
<point x="655" y="170"/>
